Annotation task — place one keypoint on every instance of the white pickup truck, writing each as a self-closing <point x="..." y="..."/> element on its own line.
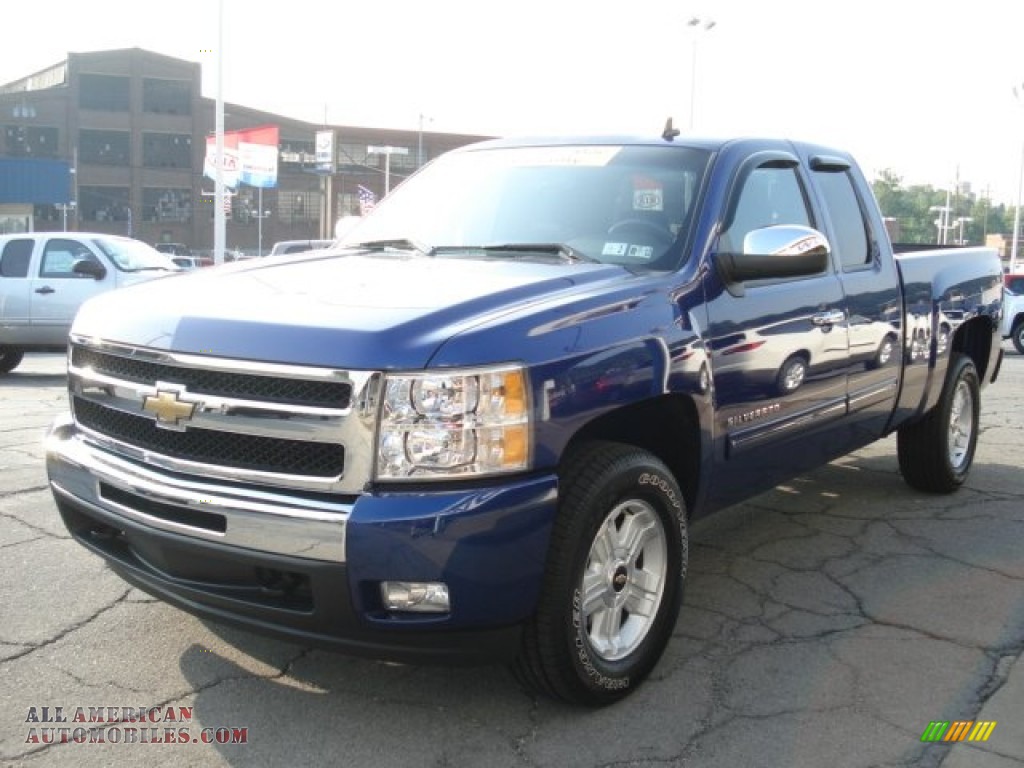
<point x="1012" y="325"/>
<point x="45" y="277"/>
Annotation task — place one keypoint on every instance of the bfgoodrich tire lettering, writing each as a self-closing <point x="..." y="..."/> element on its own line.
<point x="613" y="580"/>
<point x="936" y="452"/>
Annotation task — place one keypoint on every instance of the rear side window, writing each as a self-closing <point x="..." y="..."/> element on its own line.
<point x="15" y="258"/>
<point x="851" y="237"/>
<point x="60" y="255"/>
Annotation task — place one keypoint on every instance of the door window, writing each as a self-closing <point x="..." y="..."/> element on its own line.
<point x="770" y="196"/>
<point x="60" y="255"/>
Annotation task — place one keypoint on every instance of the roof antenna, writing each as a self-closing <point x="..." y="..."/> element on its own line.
<point x="669" y="133"/>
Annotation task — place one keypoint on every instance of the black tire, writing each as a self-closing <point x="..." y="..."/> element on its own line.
<point x="10" y="358"/>
<point x="936" y="453"/>
<point x="607" y="491"/>
<point x="1017" y="336"/>
<point x="792" y="374"/>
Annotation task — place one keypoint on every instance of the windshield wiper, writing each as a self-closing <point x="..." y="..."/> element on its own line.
<point x="566" y="252"/>
<point x="396" y="244"/>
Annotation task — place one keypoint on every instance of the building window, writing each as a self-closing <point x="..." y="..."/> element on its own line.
<point x="104" y="147"/>
<point x="166" y="205"/>
<point x="103" y="204"/>
<point x="30" y="141"/>
<point x="298" y="205"/>
<point x="166" y="150"/>
<point x="166" y="97"/>
<point x="105" y="92"/>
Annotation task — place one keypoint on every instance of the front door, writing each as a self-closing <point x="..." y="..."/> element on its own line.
<point x="779" y="348"/>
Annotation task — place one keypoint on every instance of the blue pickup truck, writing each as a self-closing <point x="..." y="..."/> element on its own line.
<point x="479" y="427"/>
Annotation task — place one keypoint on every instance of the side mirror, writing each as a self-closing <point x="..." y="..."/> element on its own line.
<point x="89" y="268"/>
<point x="776" y="252"/>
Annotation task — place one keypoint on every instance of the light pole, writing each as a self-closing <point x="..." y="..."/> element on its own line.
<point x="941" y="223"/>
<point x="260" y="216"/>
<point x="387" y="152"/>
<point x="419" y="140"/>
<point x="1018" y="94"/>
<point x="696" y="24"/>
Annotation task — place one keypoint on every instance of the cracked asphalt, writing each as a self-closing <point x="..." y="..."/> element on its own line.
<point x="826" y="623"/>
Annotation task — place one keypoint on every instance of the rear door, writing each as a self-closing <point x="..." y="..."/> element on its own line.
<point x="16" y="290"/>
<point x="58" y="291"/>
<point x="779" y="348"/>
<point x="871" y="287"/>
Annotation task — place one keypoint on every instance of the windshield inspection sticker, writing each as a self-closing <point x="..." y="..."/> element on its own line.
<point x="615" y="249"/>
<point x="648" y="194"/>
<point x="641" y="252"/>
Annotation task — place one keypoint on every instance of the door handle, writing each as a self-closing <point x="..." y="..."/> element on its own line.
<point x="45" y="289"/>
<point x="832" y="317"/>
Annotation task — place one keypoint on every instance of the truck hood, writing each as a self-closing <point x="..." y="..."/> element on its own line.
<point x="347" y="311"/>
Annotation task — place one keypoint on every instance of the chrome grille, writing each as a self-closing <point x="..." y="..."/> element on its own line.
<point x="260" y="454"/>
<point x="274" y="389"/>
<point x="279" y="425"/>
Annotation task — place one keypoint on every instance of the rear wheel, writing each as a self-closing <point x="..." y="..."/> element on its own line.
<point x="613" y="581"/>
<point x="936" y="453"/>
<point x="10" y="358"/>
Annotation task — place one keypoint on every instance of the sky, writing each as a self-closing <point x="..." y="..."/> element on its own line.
<point x="923" y="89"/>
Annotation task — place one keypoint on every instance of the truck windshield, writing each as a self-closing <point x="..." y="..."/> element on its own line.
<point x="628" y="205"/>
<point x="133" y="255"/>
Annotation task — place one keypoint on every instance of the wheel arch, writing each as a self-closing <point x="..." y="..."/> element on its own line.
<point x="668" y="427"/>
<point x="974" y="339"/>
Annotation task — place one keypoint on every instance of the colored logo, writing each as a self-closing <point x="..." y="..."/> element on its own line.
<point x="958" y="730"/>
<point x="170" y="411"/>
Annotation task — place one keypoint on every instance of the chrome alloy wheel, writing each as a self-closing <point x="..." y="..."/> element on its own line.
<point x="961" y="425"/>
<point x="624" y="580"/>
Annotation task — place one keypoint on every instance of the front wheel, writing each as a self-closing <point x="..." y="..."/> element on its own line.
<point x="936" y="453"/>
<point x="10" y="358"/>
<point x="1017" y="336"/>
<point x="614" y="577"/>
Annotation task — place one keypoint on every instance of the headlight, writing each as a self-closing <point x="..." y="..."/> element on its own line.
<point x="453" y="424"/>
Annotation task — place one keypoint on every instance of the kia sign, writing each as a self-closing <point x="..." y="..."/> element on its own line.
<point x="250" y="157"/>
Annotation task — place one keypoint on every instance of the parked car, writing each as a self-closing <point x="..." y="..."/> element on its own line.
<point x="1012" y="326"/>
<point x="173" y="249"/>
<point x="480" y="426"/>
<point x="298" y="246"/>
<point x="188" y="262"/>
<point x="46" y="276"/>
<point x="1014" y="283"/>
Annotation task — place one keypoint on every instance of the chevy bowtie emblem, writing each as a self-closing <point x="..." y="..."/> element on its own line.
<point x="170" y="410"/>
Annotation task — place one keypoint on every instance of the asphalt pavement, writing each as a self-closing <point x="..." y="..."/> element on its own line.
<point x="827" y="623"/>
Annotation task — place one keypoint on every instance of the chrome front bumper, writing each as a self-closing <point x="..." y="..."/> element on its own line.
<point x="236" y="515"/>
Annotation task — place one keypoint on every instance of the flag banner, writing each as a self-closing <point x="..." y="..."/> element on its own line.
<point x="250" y="157"/>
<point x="366" y="200"/>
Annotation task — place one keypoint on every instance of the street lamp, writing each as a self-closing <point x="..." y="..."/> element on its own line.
<point x="959" y="222"/>
<point x="1018" y="93"/>
<point x="696" y="24"/>
<point x="387" y="152"/>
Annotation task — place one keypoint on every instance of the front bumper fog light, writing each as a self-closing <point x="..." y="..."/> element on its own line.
<point x="415" y="596"/>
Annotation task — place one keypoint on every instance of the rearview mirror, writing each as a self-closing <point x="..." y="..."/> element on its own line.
<point x="777" y="252"/>
<point x="89" y="268"/>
